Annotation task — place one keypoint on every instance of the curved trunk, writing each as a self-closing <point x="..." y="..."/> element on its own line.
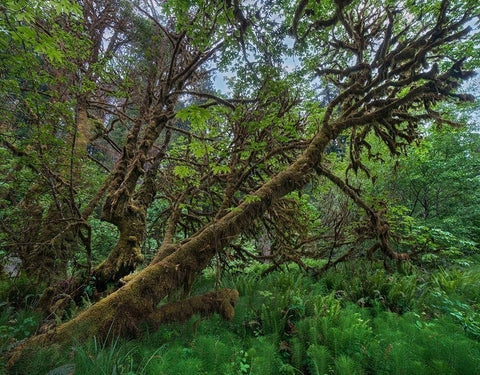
<point x="123" y="311"/>
<point x="124" y="258"/>
<point x="126" y="204"/>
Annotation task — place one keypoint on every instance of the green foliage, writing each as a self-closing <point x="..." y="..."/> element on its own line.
<point x="42" y="44"/>
<point x="344" y="365"/>
<point x="16" y="325"/>
<point x="264" y="355"/>
<point x="438" y="186"/>
<point x="289" y="323"/>
<point x="104" y="237"/>
<point x="319" y="359"/>
<point x="19" y="291"/>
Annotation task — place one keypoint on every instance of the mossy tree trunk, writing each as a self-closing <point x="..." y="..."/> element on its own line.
<point x="126" y="204"/>
<point x="133" y="182"/>
<point x="127" y="253"/>
<point x="122" y="312"/>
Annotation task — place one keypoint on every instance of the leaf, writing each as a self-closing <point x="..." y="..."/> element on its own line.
<point x="183" y="171"/>
<point x="252" y="198"/>
<point x="220" y="169"/>
<point x="196" y="115"/>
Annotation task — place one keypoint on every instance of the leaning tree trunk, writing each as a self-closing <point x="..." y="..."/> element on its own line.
<point x="123" y="311"/>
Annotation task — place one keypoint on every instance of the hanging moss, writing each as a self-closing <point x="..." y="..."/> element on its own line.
<point x="219" y="301"/>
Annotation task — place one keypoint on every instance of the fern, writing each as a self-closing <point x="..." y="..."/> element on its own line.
<point x="344" y="365"/>
<point x="319" y="359"/>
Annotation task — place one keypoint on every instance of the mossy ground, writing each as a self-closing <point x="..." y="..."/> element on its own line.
<point x="358" y="319"/>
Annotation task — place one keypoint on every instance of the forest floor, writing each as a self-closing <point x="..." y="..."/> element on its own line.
<point x="355" y="319"/>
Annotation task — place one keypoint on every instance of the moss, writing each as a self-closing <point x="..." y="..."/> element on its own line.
<point x="122" y="261"/>
<point x="46" y="300"/>
<point x="220" y="301"/>
<point x="122" y="311"/>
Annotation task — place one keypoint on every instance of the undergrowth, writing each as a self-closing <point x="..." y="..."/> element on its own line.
<point x="356" y="319"/>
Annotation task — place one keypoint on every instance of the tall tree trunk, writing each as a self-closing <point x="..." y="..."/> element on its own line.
<point x="126" y="204"/>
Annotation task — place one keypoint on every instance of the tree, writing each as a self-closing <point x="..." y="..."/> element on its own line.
<point x="436" y="189"/>
<point x="447" y="164"/>
<point x="37" y="126"/>
<point x="217" y="166"/>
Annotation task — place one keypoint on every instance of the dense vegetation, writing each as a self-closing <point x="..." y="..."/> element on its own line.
<point x="316" y="211"/>
<point x="356" y="319"/>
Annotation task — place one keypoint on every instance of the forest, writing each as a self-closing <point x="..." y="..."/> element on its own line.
<point x="239" y="187"/>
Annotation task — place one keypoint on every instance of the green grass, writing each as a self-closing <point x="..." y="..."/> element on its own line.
<point x="358" y="319"/>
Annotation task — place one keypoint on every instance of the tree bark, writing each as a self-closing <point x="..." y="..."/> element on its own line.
<point x="123" y="311"/>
